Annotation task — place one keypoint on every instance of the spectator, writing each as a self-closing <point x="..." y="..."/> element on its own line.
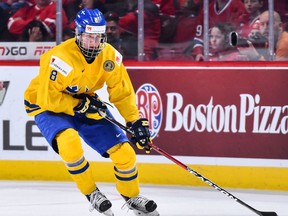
<point x="152" y="26"/>
<point x="221" y="50"/>
<point x="253" y="8"/>
<point x="277" y="25"/>
<point x="177" y="17"/>
<point x="7" y="9"/>
<point x="35" y="31"/>
<point x="187" y="19"/>
<point x="42" y="10"/>
<point x="113" y="30"/>
<point x="277" y="31"/>
<point x="230" y="11"/>
<point x="281" y="49"/>
<point x="124" y="42"/>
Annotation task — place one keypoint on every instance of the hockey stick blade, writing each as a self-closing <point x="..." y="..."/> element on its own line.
<point x="190" y="170"/>
<point x="267" y="213"/>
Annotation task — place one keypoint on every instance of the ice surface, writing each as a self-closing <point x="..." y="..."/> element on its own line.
<point x="21" y="198"/>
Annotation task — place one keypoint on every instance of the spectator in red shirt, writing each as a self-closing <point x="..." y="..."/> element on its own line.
<point x="35" y="31"/>
<point x="220" y="48"/>
<point x="230" y="11"/>
<point x="43" y="10"/>
<point x="152" y="26"/>
<point x="123" y="42"/>
<point x="7" y="9"/>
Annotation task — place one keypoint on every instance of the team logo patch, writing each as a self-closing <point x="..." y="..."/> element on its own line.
<point x="150" y="106"/>
<point x="109" y="65"/>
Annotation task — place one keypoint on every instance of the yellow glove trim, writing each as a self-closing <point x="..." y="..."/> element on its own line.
<point x="86" y="106"/>
<point x="139" y="146"/>
<point x="145" y="123"/>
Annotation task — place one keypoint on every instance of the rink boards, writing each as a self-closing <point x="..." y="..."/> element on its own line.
<point x="228" y="122"/>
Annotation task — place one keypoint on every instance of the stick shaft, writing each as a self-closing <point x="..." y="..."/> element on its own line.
<point x="190" y="170"/>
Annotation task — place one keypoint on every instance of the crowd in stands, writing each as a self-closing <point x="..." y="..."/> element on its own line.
<point x="173" y="29"/>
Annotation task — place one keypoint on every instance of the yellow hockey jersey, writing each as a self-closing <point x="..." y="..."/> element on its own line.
<point x="64" y="72"/>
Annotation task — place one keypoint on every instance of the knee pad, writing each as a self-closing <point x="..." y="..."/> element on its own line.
<point x="123" y="156"/>
<point x="69" y="145"/>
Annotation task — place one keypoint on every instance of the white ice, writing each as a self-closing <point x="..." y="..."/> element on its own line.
<point x="21" y="198"/>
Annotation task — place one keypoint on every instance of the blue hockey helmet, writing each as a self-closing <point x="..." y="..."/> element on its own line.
<point x="90" y="21"/>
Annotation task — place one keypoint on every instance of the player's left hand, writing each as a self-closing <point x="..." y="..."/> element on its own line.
<point x="89" y="104"/>
<point x="141" y="137"/>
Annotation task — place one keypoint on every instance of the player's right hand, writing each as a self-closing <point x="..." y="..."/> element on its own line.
<point x="88" y="104"/>
<point x="141" y="134"/>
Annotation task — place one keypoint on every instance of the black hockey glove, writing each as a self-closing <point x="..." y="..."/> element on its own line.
<point x="141" y="137"/>
<point x="89" y="104"/>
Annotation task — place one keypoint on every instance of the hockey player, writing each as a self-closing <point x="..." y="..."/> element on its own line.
<point x="62" y="98"/>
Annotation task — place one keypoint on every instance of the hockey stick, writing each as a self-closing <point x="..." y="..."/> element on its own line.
<point x="204" y="179"/>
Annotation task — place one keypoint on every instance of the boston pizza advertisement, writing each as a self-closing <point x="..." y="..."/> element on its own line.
<point x="215" y="112"/>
